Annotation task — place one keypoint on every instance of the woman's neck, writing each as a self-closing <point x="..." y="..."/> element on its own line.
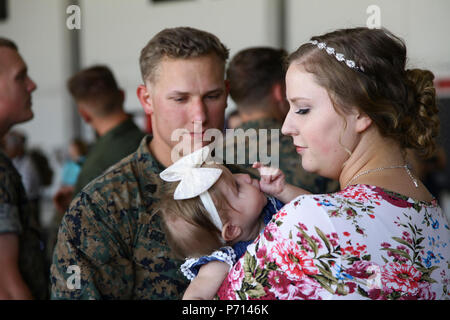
<point x="382" y="154"/>
<point x="373" y="152"/>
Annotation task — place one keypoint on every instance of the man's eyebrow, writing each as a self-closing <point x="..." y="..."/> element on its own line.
<point x="22" y="71"/>
<point x="176" y="92"/>
<point x="218" y="90"/>
<point x="186" y="93"/>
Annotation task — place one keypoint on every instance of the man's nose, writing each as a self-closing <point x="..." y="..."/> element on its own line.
<point x="31" y="85"/>
<point x="198" y="111"/>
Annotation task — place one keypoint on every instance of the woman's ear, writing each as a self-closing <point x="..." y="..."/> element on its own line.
<point x="363" y="122"/>
<point x="230" y="232"/>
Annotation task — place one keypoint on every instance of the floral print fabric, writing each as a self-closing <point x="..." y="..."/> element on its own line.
<point x="363" y="242"/>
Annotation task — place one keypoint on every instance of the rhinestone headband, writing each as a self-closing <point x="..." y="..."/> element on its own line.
<point x="339" y="56"/>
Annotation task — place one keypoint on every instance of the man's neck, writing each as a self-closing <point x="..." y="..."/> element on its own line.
<point x="160" y="151"/>
<point x="255" y="115"/>
<point x="103" y="125"/>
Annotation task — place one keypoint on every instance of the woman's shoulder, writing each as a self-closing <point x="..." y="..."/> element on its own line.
<point x="359" y="208"/>
<point x="361" y="195"/>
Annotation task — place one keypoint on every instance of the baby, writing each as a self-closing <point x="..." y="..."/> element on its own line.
<point x="216" y="215"/>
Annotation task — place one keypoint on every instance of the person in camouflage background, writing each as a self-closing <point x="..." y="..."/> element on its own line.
<point x="22" y="262"/>
<point x="111" y="242"/>
<point x="256" y="79"/>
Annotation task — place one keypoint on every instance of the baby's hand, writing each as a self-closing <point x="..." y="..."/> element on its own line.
<point x="272" y="179"/>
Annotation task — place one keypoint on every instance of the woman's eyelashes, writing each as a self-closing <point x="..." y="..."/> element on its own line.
<point x="302" y="110"/>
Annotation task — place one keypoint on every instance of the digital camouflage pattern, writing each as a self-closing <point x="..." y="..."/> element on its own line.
<point x="18" y="216"/>
<point x="289" y="159"/>
<point x="112" y="233"/>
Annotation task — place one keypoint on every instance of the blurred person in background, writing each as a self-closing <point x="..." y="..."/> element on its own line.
<point x="23" y="273"/>
<point x="100" y="104"/>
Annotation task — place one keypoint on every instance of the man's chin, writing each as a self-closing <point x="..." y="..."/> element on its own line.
<point x="26" y="118"/>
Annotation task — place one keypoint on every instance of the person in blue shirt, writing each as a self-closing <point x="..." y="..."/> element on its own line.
<point x="71" y="168"/>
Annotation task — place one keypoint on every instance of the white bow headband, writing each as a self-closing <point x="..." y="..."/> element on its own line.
<point x="195" y="181"/>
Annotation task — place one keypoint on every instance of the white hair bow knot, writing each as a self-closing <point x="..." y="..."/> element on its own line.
<point x="194" y="180"/>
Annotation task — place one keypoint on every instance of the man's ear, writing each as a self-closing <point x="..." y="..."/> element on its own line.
<point x="227" y="87"/>
<point x="363" y="122"/>
<point x="122" y="96"/>
<point x="230" y="232"/>
<point x="227" y="91"/>
<point x="145" y="99"/>
<point x="277" y="92"/>
<point x="279" y="98"/>
<point x="85" y="115"/>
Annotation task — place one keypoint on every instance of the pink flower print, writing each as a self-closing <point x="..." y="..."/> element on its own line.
<point x="284" y="289"/>
<point x="350" y="213"/>
<point x="425" y="292"/>
<point x="231" y="283"/>
<point x="280" y="214"/>
<point x="278" y="282"/>
<point x="292" y="260"/>
<point x="302" y="226"/>
<point x="386" y="245"/>
<point x="398" y="202"/>
<point x="401" y="278"/>
<point x="375" y="294"/>
<point x="406" y="237"/>
<point x="317" y="241"/>
<point x="351" y="287"/>
<point x="359" y="269"/>
<point x="261" y="256"/>
<point x="236" y="275"/>
<point x="331" y="239"/>
<point x="268" y="296"/>
<point x="271" y="232"/>
<point x="361" y="194"/>
<point x="397" y="257"/>
<point x="352" y="251"/>
<point x="262" y="252"/>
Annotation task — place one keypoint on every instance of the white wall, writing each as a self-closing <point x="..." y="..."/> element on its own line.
<point x="424" y="25"/>
<point x="115" y="31"/>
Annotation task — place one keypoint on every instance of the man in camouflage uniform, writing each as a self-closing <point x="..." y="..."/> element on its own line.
<point x="256" y="79"/>
<point x="111" y="243"/>
<point x="22" y="266"/>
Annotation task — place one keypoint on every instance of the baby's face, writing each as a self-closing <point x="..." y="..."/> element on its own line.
<point x="245" y="202"/>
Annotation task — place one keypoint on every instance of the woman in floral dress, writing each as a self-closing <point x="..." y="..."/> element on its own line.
<point x="354" y="110"/>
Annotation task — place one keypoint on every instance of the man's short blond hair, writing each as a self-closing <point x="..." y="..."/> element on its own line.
<point x="178" y="43"/>
<point x="5" y="42"/>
